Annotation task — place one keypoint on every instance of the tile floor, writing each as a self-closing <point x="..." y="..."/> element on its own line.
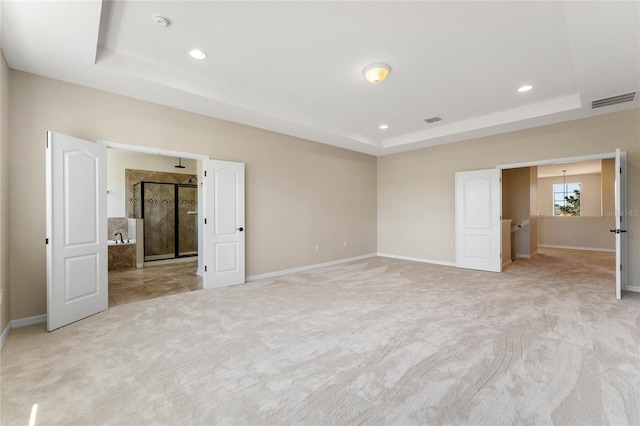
<point x="132" y="285"/>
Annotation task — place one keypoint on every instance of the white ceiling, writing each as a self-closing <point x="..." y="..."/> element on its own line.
<point x="296" y="67"/>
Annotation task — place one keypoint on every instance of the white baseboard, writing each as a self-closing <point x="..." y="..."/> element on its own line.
<point x="22" y="322"/>
<point x="607" y="250"/>
<point x="307" y="268"/>
<point x="634" y="288"/>
<point x="5" y="334"/>
<point x="416" y="259"/>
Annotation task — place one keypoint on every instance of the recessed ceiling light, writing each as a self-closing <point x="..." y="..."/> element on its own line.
<point x="525" y="88"/>
<point x="197" y="54"/>
<point x="384" y="126"/>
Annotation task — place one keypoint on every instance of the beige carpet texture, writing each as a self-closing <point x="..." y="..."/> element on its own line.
<point x="374" y="342"/>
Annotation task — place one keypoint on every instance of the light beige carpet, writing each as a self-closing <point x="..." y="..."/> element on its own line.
<point x="378" y="341"/>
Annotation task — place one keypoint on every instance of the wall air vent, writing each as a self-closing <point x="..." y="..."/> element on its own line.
<point x="432" y="120"/>
<point x="627" y="97"/>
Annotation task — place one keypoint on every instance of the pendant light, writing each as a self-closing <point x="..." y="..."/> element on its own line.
<point x="564" y="183"/>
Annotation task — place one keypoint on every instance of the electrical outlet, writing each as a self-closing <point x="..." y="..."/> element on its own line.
<point x="317" y="247"/>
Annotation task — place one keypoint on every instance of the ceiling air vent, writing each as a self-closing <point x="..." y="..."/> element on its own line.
<point x="432" y="119"/>
<point x="627" y="97"/>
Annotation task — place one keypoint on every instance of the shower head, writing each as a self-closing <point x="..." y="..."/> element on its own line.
<point x="179" y="166"/>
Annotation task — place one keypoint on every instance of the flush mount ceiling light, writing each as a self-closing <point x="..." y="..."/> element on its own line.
<point x="163" y="21"/>
<point x="525" y="88"/>
<point x="384" y="127"/>
<point x="197" y="54"/>
<point x="376" y="73"/>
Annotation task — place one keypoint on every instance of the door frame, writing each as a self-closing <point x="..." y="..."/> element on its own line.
<point x="177" y="154"/>
<point x="574" y="159"/>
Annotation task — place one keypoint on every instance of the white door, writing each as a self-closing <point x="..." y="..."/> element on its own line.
<point x="478" y="221"/>
<point x="621" y="222"/>
<point x="223" y="223"/>
<point x="77" y="281"/>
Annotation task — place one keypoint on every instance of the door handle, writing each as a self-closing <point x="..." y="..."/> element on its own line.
<point x="240" y="229"/>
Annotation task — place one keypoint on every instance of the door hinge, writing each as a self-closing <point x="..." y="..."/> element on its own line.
<point x="205" y="268"/>
<point x="621" y="266"/>
<point x="205" y="220"/>
<point x="46" y="241"/>
<point x="205" y="173"/>
<point x="620" y="170"/>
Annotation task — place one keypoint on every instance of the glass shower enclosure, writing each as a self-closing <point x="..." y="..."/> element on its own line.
<point x="170" y="214"/>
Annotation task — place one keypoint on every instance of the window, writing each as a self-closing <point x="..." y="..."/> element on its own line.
<point x="566" y="199"/>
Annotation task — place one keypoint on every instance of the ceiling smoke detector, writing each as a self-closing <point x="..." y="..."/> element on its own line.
<point x="432" y="120"/>
<point x="163" y="21"/>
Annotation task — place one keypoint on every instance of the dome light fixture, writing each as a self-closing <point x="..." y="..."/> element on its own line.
<point x="383" y="126"/>
<point x="525" y="88"/>
<point x="197" y="54"/>
<point x="376" y="73"/>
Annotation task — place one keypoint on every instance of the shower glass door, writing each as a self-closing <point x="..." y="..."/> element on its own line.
<point x="187" y="211"/>
<point x="159" y="220"/>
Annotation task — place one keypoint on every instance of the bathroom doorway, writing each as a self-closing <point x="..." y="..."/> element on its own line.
<point x="169" y="213"/>
<point x="160" y="194"/>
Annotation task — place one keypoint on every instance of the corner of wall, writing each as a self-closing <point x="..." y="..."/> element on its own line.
<point x="5" y="307"/>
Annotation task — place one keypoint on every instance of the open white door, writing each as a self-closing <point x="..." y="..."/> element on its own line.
<point x="223" y="223"/>
<point x="77" y="281"/>
<point x="621" y="222"/>
<point x="478" y="221"/>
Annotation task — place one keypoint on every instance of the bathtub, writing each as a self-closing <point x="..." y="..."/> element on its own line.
<point x="126" y="242"/>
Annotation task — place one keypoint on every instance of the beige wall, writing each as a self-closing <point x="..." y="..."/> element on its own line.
<point x="416" y="189"/>
<point x="533" y="207"/>
<point x="5" y="307"/>
<point x="516" y="205"/>
<point x="577" y="232"/>
<point x="298" y="193"/>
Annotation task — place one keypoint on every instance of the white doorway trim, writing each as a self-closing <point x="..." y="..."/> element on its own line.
<point x="177" y="154"/>
<point x="150" y="150"/>
<point x="575" y="159"/>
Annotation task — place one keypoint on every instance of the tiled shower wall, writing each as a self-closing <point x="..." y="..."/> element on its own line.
<point x="159" y="205"/>
<point x="132" y="176"/>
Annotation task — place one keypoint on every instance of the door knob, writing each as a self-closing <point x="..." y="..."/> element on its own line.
<point x="240" y="229"/>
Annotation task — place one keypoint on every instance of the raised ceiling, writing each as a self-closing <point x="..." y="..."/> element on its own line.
<point x="296" y="67"/>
